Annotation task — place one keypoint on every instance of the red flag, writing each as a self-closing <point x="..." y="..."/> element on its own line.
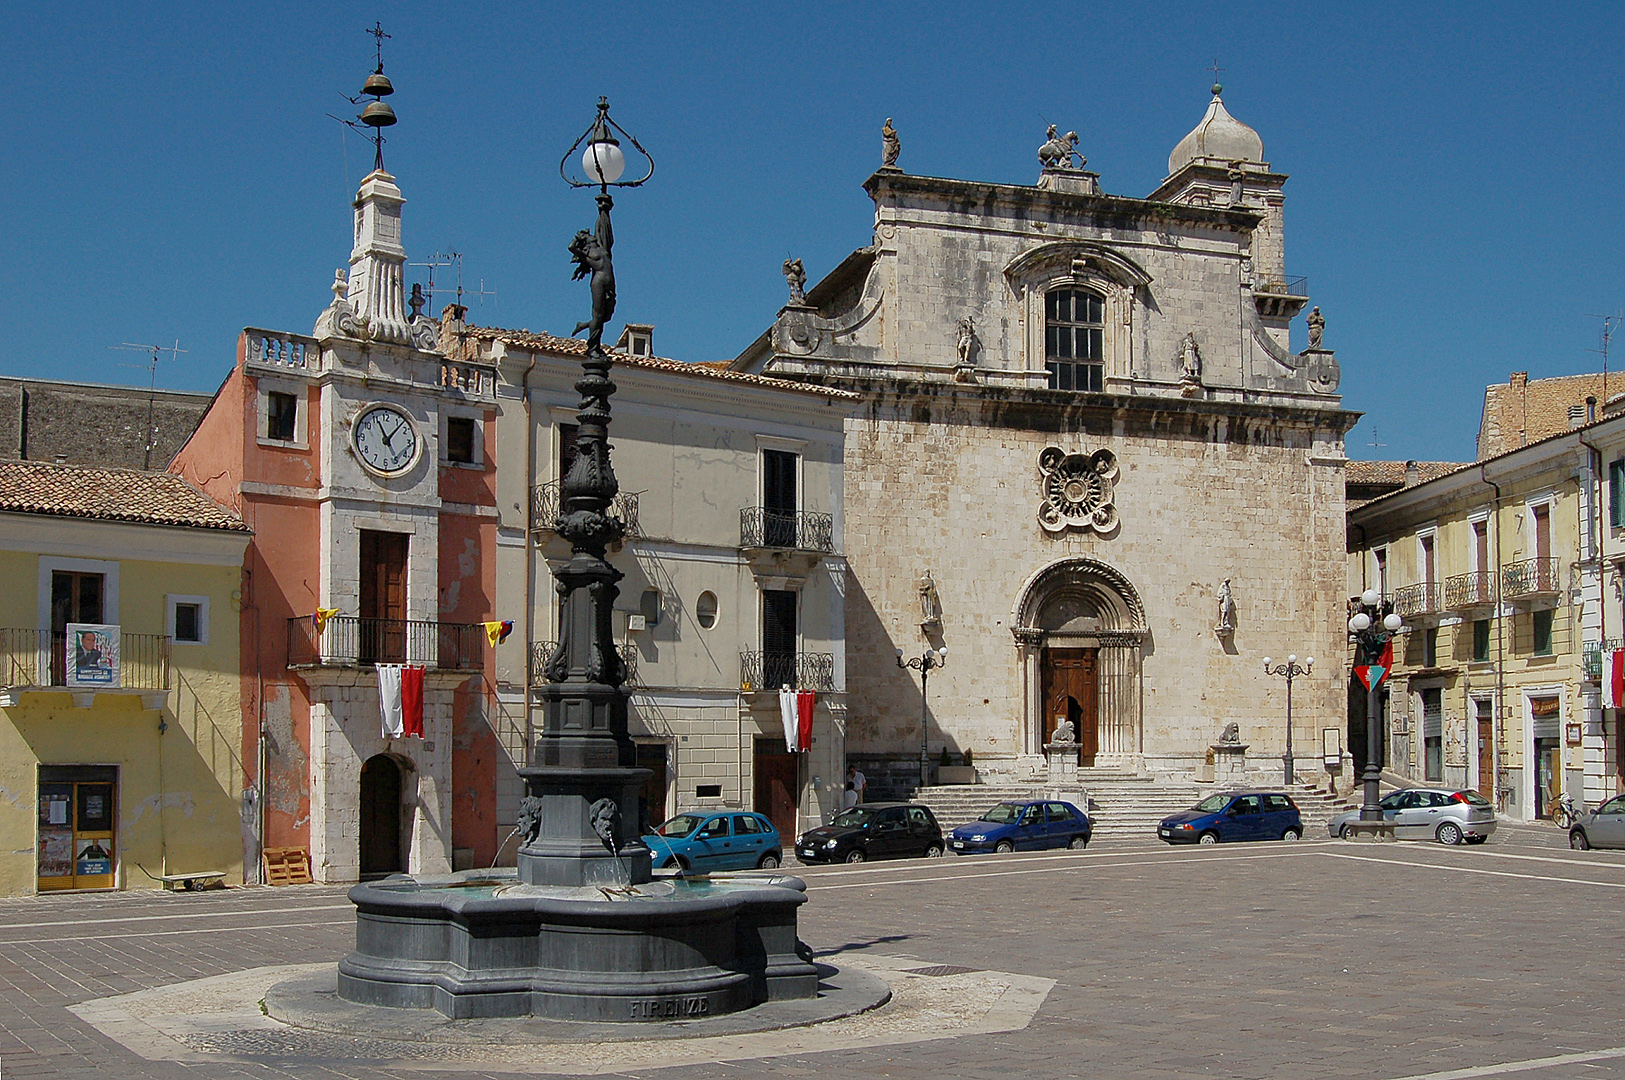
<point x="804" y="715"/>
<point x="1616" y="679"/>
<point x="412" y="701"/>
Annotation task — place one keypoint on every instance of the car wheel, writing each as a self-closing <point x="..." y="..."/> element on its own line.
<point x="1449" y="833"/>
<point x="1578" y="840"/>
<point x="1004" y="847"/>
<point x="1079" y="843"/>
<point x="933" y="851"/>
<point x="769" y="861"/>
<point x="1345" y="831"/>
<point x="674" y="863"/>
<point x="1292" y="834"/>
<point x="1208" y="838"/>
<point x="856" y="855"/>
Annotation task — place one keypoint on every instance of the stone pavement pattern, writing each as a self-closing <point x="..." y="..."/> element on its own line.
<point x="1316" y="959"/>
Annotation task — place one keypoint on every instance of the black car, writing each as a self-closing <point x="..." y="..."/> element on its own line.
<point x="873" y="831"/>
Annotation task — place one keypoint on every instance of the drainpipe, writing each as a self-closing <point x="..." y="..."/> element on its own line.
<point x="1498" y="728"/>
<point x="1594" y="532"/>
<point x="530" y="549"/>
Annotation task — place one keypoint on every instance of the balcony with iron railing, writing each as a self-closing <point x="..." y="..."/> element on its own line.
<point x="1419" y="603"/>
<point x="770" y="671"/>
<point x="542" y="651"/>
<point x="347" y="641"/>
<point x="791" y="530"/>
<point x="1465" y="592"/>
<point x="1532" y="580"/>
<point x="545" y="505"/>
<point x="38" y="660"/>
<point x="1591" y="657"/>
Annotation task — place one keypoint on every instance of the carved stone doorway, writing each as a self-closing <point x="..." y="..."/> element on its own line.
<point x="1072" y="692"/>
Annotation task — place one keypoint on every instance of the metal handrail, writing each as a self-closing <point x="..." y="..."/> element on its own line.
<point x="1419" y="599"/>
<point x="545" y="504"/>
<point x="1591" y="653"/>
<point x="39" y="658"/>
<point x="1474" y="589"/>
<point x="1531" y="577"/>
<point x="348" y="641"/>
<point x="759" y="671"/>
<point x="798" y="530"/>
<point x="542" y="651"/>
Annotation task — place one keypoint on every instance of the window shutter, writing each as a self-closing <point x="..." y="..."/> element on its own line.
<point x="1616" y="493"/>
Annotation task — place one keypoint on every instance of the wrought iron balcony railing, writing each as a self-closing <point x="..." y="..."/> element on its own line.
<point x="1422" y="598"/>
<point x="347" y="641"/>
<point x="39" y="658"/>
<point x="544" y="508"/>
<point x="768" y="671"/>
<point x="1592" y="653"/>
<point x="1475" y="589"/>
<point x="542" y="651"/>
<point x="797" y="530"/>
<point x="1531" y="578"/>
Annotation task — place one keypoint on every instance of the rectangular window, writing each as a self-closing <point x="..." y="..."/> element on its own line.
<point x="1481" y="640"/>
<point x="1433" y="733"/>
<point x="1381" y="555"/>
<point x="460" y="440"/>
<point x="779" y="502"/>
<point x="187" y="624"/>
<point x="281" y="416"/>
<point x="1542" y="633"/>
<point x="567" y="447"/>
<point x="778" y="638"/>
<point x="1074" y="340"/>
<point x="1616" y="493"/>
<point x="1430" y="647"/>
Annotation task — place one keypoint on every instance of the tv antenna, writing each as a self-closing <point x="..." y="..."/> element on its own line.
<point x="452" y="258"/>
<point x="375" y="114"/>
<point x="1375" y="445"/>
<point x="152" y="390"/>
<point x="1608" y="324"/>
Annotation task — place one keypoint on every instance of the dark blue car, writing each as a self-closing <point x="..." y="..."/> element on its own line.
<point x="1023" y="826"/>
<point x="1235" y="815"/>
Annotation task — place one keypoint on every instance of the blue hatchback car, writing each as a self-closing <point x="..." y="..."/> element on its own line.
<point x="724" y="840"/>
<point x="1023" y="826"/>
<point x="1235" y="815"/>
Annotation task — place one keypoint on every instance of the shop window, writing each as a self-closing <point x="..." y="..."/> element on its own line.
<point x="78" y="809"/>
<point x="1074" y="340"/>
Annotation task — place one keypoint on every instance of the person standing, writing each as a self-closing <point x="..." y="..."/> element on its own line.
<point x="856" y="781"/>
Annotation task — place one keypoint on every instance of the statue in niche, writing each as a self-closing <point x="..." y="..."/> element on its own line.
<point x="930" y="604"/>
<point x="796" y="277"/>
<point x="890" y="146"/>
<point x="1317" y="328"/>
<point x="1190" y="357"/>
<point x="1059" y="150"/>
<point x="965" y="340"/>
<point x="1227" y="609"/>
<point x="1064" y="732"/>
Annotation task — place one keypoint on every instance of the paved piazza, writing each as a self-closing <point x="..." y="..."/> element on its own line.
<point x="1315" y="959"/>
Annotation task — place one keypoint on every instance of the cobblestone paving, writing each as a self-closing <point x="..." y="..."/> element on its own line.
<point x="1315" y="959"/>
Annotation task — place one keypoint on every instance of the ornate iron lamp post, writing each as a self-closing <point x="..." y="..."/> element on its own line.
<point x="925" y="663"/>
<point x="1289" y="670"/>
<point x="1373" y="660"/>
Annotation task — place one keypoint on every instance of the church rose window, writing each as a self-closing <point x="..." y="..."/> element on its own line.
<point x="1074" y="340"/>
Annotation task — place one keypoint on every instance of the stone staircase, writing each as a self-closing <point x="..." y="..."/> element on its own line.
<point x="1122" y="805"/>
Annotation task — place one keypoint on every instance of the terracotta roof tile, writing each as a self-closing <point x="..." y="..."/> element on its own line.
<point x="1393" y="472"/>
<point x="1524" y="411"/>
<point x="151" y="498"/>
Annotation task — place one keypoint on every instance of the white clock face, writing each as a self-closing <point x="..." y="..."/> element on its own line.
<point x="385" y="439"/>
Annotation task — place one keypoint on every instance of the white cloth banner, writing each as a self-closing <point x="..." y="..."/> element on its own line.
<point x="788" y="715"/>
<point x="389" y="699"/>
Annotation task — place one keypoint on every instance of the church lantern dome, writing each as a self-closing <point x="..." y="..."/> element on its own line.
<point x="1217" y="137"/>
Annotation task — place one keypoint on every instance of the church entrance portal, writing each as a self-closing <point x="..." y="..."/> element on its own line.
<point x="380" y="817"/>
<point x="1072" y="692"/>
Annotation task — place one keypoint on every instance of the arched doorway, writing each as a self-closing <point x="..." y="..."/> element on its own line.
<point x="1079" y="627"/>
<point x="380" y="817"/>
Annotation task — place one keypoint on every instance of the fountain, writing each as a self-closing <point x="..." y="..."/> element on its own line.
<point x="582" y="929"/>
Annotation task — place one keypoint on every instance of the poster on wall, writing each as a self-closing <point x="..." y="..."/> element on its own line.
<point x="55" y="851"/>
<point x="92" y="655"/>
<point x="93" y="858"/>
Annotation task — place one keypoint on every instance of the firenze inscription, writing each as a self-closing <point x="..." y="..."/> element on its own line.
<point x="671" y="1008"/>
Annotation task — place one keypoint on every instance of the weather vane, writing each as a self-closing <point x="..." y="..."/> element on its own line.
<point x="376" y="115"/>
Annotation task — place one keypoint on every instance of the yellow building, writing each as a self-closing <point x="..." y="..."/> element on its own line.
<point x="1494" y="569"/>
<point x="120" y="701"/>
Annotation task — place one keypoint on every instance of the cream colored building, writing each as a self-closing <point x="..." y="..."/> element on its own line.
<point x="734" y="564"/>
<point x="1495" y="569"/>
<point x="121" y="735"/>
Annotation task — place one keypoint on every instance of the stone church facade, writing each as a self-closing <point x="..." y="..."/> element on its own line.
<point x="1087" y="464"/>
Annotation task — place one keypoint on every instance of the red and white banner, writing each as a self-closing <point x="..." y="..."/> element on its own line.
<point x="400" y="700"/>
<point x="804" y="715"/>
<point x="1614" y="680"/>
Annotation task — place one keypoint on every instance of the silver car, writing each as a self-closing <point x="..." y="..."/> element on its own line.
<point x="1602" y="827"/>
<point x="1441" y="814"/>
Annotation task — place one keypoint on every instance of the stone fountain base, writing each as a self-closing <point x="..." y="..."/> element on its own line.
<point x="483" y="944"/>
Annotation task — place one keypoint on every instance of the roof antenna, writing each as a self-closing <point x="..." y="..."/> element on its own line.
<point x="152" y="391"/>
<point x="376" y="114"/>
<point x="1608" y="324"/>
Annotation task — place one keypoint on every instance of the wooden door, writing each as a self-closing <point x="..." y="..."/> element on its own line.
<point x="1486" y="753"/>
<point x="776" y="782"/>
<point x="75" y="598"/>
<point x="1071" y="692"/>
<point x="383" y="597"/>
<point x="779" y="502"/>
<point x="1546" y="580"/>
<point x="380" y="817"/>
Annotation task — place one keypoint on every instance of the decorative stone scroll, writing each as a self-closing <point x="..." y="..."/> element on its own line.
<point x="1077" y="491"/>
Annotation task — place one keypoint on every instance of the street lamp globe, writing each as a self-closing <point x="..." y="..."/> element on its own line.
<point x="942" y="653"/>
<point x="602" y="160"/>
<point x="1268" y="662"/>
<point x="1309" y="663"/>
<point x="1393" y="623"/>
<point x="1292" y="658"/>
<point x="1371" y="598"/>
<point x="1360" y="623"/>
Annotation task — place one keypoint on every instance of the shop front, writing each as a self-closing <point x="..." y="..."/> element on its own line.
<point x="78" y="845"/>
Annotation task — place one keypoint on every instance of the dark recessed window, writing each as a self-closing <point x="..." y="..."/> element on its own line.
<point x="282" y="411"/>
<point x="1543" y="633"/>
<point x="1074" y="340"/>
<point x="1430" y="647"/>
<point x="1481" y="639"/>
<point x="705" y="609"/>
<point x="460" y="439"/>
<point x="708" y="791"/>
<point x="189" y="622"/>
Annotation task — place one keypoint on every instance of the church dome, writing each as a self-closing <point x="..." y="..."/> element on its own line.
<point x="1219" y="136"/>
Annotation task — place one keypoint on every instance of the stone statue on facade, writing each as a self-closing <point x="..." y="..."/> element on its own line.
<point x="965" y="341"/>
<point x="890" y="146"/>
<point x="796" y="277"/>
<point x="930" y="605"/>
<point x="591" y="252"/>
<point x="1064" y="732"/>
<point x="1317" y="328"/>
<point x="1190" y="358"/>
<point x="1059" y="150"/>
<point x="1231" y="734"/>
<point x="1227" y="609"/>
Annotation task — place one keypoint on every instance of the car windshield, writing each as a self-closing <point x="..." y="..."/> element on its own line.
<point x="1213" y="804"/>
<point x="1003" y="814"/>
<point x="681" y="825"/>
<point x="856" y="817"/>
<point x="1473" y="798"/>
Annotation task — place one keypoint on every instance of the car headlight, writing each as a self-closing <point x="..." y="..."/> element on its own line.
<point x="1187" y="826"/>
<point x="831" y="845"/>
<point x="979" y="837"/>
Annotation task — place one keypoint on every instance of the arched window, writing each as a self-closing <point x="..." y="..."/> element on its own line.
<point x="1074" y="340"/>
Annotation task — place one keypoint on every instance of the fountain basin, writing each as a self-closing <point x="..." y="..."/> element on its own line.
<point x="481" y="944"/>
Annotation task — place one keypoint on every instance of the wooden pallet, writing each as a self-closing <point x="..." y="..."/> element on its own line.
<point x="287" y="866"/>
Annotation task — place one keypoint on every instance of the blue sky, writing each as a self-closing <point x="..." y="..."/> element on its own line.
<point x="169" y="171"/>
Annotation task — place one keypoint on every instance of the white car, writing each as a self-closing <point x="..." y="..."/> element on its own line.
<point x="1443" y="814"/>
